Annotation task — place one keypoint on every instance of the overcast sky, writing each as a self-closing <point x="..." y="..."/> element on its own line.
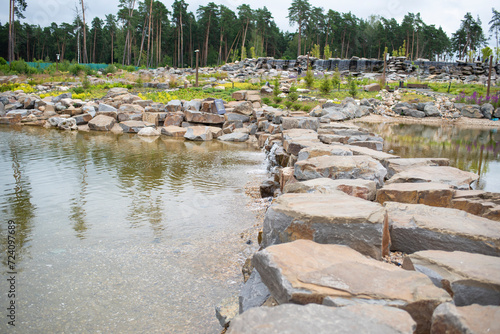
<point x="445" y="13"/>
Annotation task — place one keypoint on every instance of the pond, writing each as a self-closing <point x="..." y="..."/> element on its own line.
<point x="474" y="150"/>
<point x="118" y="234"/>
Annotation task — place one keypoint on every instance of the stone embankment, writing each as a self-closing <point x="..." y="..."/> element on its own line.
<point x="343" y="207"/>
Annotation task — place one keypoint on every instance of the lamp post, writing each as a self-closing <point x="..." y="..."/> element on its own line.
<point x="197" y="52"/>
<point x="57" y="63"/>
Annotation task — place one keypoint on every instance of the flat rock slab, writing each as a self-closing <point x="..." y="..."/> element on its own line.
<point x="328" y="219"/>
<point x="470" y="278"/>
<point x="320" y="149"/>
<point x="304" y="272"/>
<point x="318" y="319"/>
<point x="173" y="131"/>
<point x="377" y="155"/>
<point x="478" y="202"/>
<point x="447" y="175"/>
<point x="341" y="167"/>
<point x="235" y="136"/>
<point x="358" y="188"/>
<point x="473" y="319"/>
<point x="198" y="133"/>
<point x="395" y="166"/>
<point x="101" y="123"/>
<point x="132" y="126"/>
<point x="418" y="227"/>
<point x="203" y="117"/>
<point x="429" y="193"/>
<point x="296" y="139"/>
<point x="311" y="123"/>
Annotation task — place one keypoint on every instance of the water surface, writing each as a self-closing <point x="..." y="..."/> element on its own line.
<point x="119" y="234"/>
<point x="473" y="150"/>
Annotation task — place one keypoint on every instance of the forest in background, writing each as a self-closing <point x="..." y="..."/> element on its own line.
<point x="148" y="33"/>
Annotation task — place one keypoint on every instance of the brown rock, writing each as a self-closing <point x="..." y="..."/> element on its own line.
<point x="334" y="218"/>
<point x="101" y="123"/>
<point x="429" y="193"/>
<point x="395" y="166"/>
<point x="305" y="272"/>
<point x="469" y="278"/>
<point x="447" y="175"/>
<point x="203" y="117"/>
<point x="477" y="202"/>
<point x="173" y="131"/>
<point x="417" y="227"/>
<point x="358" y="188"/>
<point x="473" y="319"/>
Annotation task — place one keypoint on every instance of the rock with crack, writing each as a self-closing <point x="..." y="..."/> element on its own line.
<point x="395" y="166"/>
<point x="334" y="218"/>
<point x="319" y="319"/>
<point x="469" y="278"/>
<point x="304" y="272"/>
<point x="429" y="193"/>
<point x="341" y="167"/>
<point x="440" y="174"/>
<point x="101" y="123"/>
<point x="358" y="188"/>
<point x="473" y="319"/>
<point x="296" y="139"/>
<point x="418" y="227"/>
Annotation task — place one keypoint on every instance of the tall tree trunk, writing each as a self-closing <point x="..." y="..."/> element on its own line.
<point x="206" y="39"/>
<point x="93" y="53"/>
<point x="182" y="43"/>
<point x="412" y="42"/>
<point x="112" y="49"/>
<point x="149" y="30"/>
<point x="244" y="38"/>
<point x="300" y="36"/>
<point x="142" y="41"/>
<point x="219" y="58"/>
<point x="85" y="59"/>
<point x="27" y="46"/>
<point x="11" y="22"/>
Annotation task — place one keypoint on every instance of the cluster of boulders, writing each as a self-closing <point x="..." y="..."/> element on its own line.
<point x="122" y="112"/>
<point x="343" y="209"/>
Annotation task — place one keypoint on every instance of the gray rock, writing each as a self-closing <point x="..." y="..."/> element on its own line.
<point x="174" y="105"/>
<point x="198" y="133"/>
<point x="496" y="114"/>
<point x="132" y="126"/>
<point x="254" y="293"/>
<point x="395" y="166"/>
<point x="303" y="272"/>
<point x="470" y="278"/>
<point x="474" y="319"/>
<point x="89" y="110"/>
<point x="148" y="132"/>
<point x="227" y="310"/>
<point x="54" y="121"/>
<point x="235" y="136"/>
<point x="268" y="187"/>
<point x="309" y="123"/>
<point x="418" y="227"/>
<point x="318" y="319"/>
<point x="471" y="111"/>
<point x="413" y="113"/>
<point x="431" y="110"/>
<point x="18" y="112"/>
<point x="82" y="119"/>
<point x="67" y="124"/>
<point x="341" y="167"/>
<point x="359" y="188"/>
<point x="101" y="123"/>
<point x="334" y="218"/>
<point x="440" y="174"/>
<point x="106" y="107"/>
<point x="62" y="96"/>
<point x="487" y="110"/>
<point x="234" y="117"/>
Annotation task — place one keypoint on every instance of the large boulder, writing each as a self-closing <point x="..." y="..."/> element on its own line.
<point x="101" y="123"/>
<point x="470" y="278"/>
<point x="417" y="227"/>
<point x="334" y="218"/>
<point x="322" y="149"/>
<point x="428" y="193"/>
<point x="235" y="136"/>
<point x="395" y="166"/>
<point x="305" y="272"/>
<point x="198" y="133"/>
<point x="478" y="202"/>
<point x="173" y="131"/>
<point x="471" y="111"/>
<point x="295" y="140"/>
<point x="358" y="188"/>
<point x="473" y="319"/>
<point x="310" y="123"/>
<point x="341" y="167"/>
<point x="455" y="177"/>
<point x="132" y="126"/>
<point x="148" y="132"/>
<point x="203" y="117"/>
<point x="318" y="319"/>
